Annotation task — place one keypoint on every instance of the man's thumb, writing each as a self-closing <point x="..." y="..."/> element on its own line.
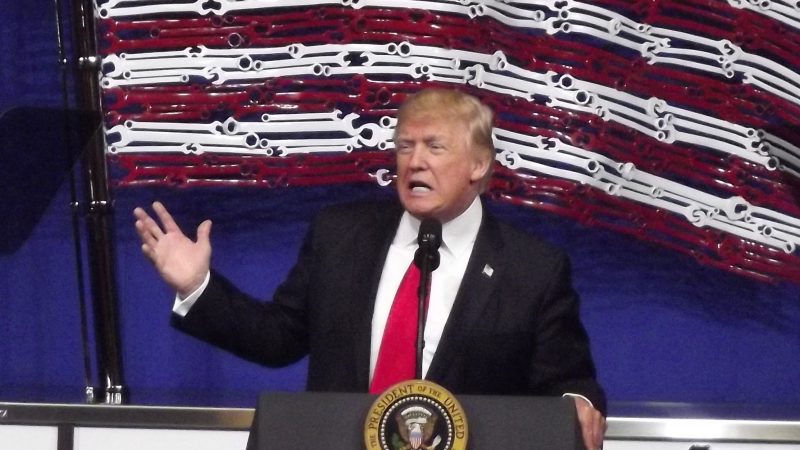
<point x="204" y="233"/>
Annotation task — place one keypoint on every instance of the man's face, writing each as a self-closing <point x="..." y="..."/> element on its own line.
<point x="438" y="171"/>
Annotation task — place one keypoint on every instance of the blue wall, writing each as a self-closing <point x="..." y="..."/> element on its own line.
<point x="663" y="327"/>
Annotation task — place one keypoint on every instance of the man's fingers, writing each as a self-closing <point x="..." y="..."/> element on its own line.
<point x="148" y="252"/>
<point x="139" y="213"/>
<point x="144" y="234"/>
<point x="165" y="217"/>
<point x="587" y="439"/>
<point x="588" y="436"/>
<point x="593" y="424"/>
<point x="598" y="430"/>
<point x="146" y="224"/>
<point x="601" y="431"/>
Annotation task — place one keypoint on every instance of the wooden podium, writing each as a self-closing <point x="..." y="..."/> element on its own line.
<point x="305" y="421"/>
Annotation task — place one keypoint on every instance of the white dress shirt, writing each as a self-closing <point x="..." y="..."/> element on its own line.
<point x="458" y="238"/>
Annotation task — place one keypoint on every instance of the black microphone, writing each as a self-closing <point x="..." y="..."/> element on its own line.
<point x="429" y="240"/>
<point x="426" y="258"/>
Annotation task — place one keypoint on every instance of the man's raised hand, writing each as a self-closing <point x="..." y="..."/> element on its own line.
<point x="181" y="262"/>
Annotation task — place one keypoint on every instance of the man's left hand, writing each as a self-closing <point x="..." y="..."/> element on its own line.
<point x="593" y="424"/>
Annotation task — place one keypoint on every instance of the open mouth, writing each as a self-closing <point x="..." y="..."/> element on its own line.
<point x="419" y="187"/>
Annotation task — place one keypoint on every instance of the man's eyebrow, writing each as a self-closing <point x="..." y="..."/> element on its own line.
<point x="426" y="139"/>
<point x="434" y="138"/>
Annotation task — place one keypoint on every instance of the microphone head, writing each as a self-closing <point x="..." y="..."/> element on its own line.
<point x="430" y="234"/>
<point x="429" y="239"/>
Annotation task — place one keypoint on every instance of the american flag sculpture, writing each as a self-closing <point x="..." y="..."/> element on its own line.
<point x="675" y="121"/>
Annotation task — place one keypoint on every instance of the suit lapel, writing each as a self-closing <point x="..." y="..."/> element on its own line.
<point x="374" y="245"/>
<point x="485" y="265"/>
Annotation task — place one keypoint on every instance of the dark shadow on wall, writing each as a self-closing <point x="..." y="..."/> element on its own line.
<point x="38" y="149"/>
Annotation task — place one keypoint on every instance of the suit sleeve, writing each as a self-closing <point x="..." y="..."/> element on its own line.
<point x="273" y="334"/>
<point x="562" y="360"/>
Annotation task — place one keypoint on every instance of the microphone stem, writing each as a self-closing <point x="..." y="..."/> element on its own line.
<point x="422" y="293"/>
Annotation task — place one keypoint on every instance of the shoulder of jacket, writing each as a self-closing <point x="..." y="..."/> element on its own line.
<point x="526" y="242"/>
<point x="345" y="217"/>
<point x="357" y="210"/>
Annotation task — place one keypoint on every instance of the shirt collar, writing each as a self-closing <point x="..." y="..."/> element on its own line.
<point x="458" y="235"/>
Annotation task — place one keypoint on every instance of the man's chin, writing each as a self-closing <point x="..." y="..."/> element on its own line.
<point x="419" y="211"/>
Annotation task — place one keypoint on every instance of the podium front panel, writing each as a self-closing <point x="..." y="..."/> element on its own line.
<point x="302" y="421"/>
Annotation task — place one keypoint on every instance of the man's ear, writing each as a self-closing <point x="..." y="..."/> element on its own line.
<point x="481" y="165"/>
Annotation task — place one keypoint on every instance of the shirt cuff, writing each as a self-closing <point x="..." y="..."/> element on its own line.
<point x="181" y="306"/>
<point x="569" y="394"/>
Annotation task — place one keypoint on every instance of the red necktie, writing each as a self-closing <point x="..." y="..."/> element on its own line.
<point x="398" y="353"/>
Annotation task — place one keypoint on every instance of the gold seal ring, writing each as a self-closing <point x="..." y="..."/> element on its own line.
<point x="416" y="415"/>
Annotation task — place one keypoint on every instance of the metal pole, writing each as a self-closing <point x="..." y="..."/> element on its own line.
<point x="98" y="209"/>
<point x="73" y="149"/>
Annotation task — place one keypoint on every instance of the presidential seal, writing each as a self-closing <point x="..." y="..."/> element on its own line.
<point x="416" y="415"/>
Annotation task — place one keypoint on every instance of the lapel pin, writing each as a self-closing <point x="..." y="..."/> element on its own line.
<point x="488" y="271"/>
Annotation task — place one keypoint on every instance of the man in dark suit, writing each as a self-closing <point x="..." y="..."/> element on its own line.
<point x="502" y="318"/>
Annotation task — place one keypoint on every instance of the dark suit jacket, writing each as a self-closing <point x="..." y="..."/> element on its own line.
<point x="514" y="332"/>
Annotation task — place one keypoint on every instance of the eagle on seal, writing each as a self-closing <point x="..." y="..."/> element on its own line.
<point x="416" y="425"/>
